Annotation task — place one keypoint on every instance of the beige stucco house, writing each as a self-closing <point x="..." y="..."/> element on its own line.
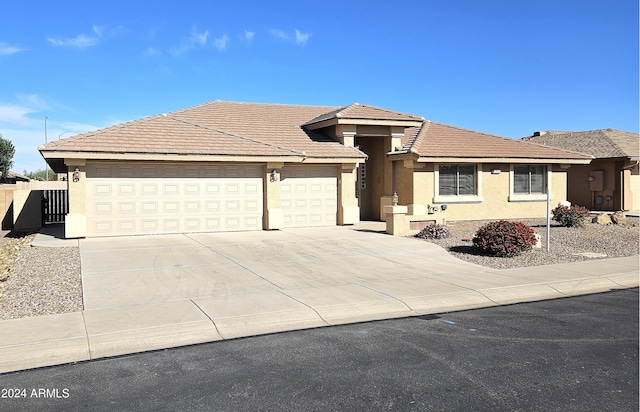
<point x="611" y="182"/>
<point x="225" y="166"/>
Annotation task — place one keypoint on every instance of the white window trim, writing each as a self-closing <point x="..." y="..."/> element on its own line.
<point x="518" y="197"/>
<point x="455" y="198"/>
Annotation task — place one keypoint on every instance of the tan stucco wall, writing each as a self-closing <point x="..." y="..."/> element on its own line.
<point x="494" y="199"/>
<point x="22" y="204"/>
<point x="619" y="190"/>
<point x="27" y="210"/>
<point x="6" y="206"/>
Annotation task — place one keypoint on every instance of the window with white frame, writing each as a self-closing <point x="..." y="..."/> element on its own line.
<point x="529" y="179"/>
<point x="457" y="180"/>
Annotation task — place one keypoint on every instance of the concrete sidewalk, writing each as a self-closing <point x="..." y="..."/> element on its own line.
<point x="152" y="292"/>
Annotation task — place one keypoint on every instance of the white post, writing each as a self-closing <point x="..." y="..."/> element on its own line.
<point x="548" y="217"/>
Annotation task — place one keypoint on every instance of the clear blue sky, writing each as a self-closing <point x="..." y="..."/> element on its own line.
<point x="502" y="67"/>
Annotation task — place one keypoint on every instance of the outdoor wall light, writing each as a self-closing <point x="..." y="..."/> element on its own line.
<point x="443" y="207"/>
<point x="394" y="199"/>
<point x="76" y="175"/>
<point x="274" y="176"/>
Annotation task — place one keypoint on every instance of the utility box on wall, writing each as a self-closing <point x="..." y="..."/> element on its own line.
<point x="596" y="180"/>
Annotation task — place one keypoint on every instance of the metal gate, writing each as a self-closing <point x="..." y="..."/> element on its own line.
<point x="55" y="205"/>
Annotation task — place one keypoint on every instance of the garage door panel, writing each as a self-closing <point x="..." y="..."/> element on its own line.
<point x="149" y="226"/>
<point x="155" y="201"/>
<point x="102" y="208"/>
<point x="171" y="207"/>
<point x="150" y="207"/>
<point x="127" y="208"/>
<point x="192" y="206"/>
<point x="126" y="226"/>
<point x="125" y="189"/>
<point x="171" y="225"/>
<point x="308" y="195"/>
<point x="171" y="189"/>
<point x="102" y="189"/>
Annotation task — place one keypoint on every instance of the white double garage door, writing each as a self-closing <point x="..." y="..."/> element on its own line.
<point x="133" y="199"/>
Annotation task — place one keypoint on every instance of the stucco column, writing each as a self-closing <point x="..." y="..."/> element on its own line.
<point x="397" y="133"/>
<point x="392" y="143"/>
<point x="346" y="134"/>
<point x="348" y="210"/>
<point x="415" y="188"/>
<point x="273" y="214"/>
<point x="75" y="222"/>
<point x="626" y="192"/>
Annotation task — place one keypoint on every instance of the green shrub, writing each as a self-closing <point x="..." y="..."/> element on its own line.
<point x="434" y="231"/>
<point x="571" y="216"/>
<point x="504" y="238"/>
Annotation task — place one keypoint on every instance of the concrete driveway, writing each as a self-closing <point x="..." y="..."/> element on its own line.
<point x="154" y="292"/>
<point x="192" y="288"/>
<point x="151" y="292"/>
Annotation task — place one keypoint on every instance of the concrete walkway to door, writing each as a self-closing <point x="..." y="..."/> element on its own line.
<point x="151" y="292"/>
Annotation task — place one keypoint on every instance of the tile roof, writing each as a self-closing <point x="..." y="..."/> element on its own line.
<point x="215" y="128"/>
<point x="363" y="112"/>
<point x="602" y="143"/>
<point x="221" y="128"/>
<point x="435" y="140"/>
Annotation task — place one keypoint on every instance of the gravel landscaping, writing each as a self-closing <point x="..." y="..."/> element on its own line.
<point x="41" y="280"/>
<point x="566" y="243"/>
<point x="44" y="281"/>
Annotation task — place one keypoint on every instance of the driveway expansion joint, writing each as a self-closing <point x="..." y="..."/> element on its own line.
<point x="304" y="304"/>
<point x="209" y="317"/>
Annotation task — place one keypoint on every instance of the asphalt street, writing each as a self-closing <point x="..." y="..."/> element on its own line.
<point x="573" y="354"/>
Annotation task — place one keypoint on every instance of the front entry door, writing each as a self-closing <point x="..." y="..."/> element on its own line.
<point x="370" y="185"/>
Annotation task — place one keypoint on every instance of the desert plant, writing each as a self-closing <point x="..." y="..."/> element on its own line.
<point x="434" y="231"/>
<point x="504" y="238"/>
<point x="7" y="150"/>
<point x="571" y="216"/>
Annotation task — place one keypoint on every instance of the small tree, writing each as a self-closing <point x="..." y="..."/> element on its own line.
<point x="41" y="174"/>
<point x="7" y="150"/>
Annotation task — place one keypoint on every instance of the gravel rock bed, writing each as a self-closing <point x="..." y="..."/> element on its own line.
<point x="42" y="281"/>
<point x="565" y="243"/>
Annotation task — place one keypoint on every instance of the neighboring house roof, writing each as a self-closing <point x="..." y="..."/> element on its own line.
<point x="215" y="128"/>
<point x="601" y="143"/>
<point x="16" y="177"/>
<point x="436" y="140"/>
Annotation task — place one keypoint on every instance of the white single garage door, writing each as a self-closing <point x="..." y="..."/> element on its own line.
<point x="135" y="199"/>
<point x="309" y="195"/>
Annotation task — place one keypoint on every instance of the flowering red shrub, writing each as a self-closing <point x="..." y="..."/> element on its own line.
<point x="570" y="216"/>
<point x="504" y="238"/>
